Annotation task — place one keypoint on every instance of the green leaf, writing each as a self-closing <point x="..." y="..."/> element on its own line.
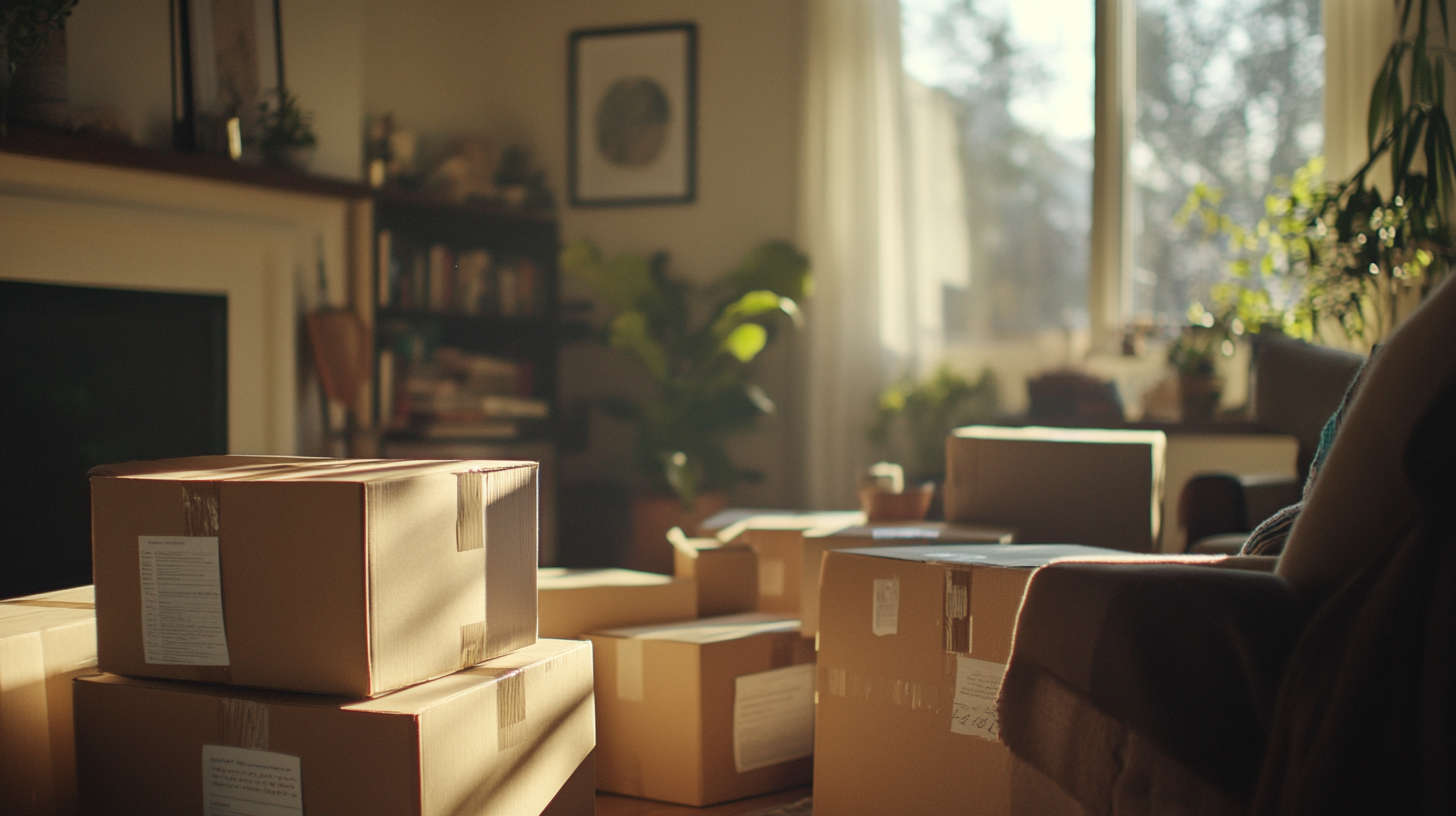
<point x="746" y="341"/>
<point x="629" y="332"/>
<point x="775" y="266"/>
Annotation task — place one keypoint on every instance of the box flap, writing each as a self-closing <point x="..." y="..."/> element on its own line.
<point x="548" y="578"/>
<point x="989" y="555"/>
<point x="709" y="630"/>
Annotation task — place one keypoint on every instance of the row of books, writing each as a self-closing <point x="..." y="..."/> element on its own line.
<point x="459" y="395"/>
<point x="438" y="278"/>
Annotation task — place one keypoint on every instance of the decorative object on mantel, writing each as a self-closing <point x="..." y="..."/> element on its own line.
<point x="33" y="84"/>
<point x="1342" y="253"/>
<point x="285" y="132"/>
<point x="632" y="113"/>
<point x="226" y="57"/>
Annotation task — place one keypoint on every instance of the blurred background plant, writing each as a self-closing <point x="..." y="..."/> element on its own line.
<point x="913" y="418"/>
<point x="700" y="371"/>
<point x="1342" y="254"/>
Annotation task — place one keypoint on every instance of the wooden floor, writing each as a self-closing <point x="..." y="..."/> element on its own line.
<point x="612" y="805"/>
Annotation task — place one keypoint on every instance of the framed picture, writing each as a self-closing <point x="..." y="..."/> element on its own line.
<point x="227" y="56"/>
<point x="633" y="115"/>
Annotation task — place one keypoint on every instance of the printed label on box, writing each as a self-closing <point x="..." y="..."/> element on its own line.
<point x="773" y="717"/>
<point x="243" y="782"/>
<point x="182" y="621"/>
<point x="973" y="711"/>
<point x="887" y="606"/>
<point x="771" y="577"/>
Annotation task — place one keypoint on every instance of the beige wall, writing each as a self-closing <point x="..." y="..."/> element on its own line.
<point x="499" y="68"/>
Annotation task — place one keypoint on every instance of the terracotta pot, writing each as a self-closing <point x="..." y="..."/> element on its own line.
<point x="882" y="505"/>
<point x="653" y="516"/>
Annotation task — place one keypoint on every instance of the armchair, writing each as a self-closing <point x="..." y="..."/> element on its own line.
<point x="1294" y="389"/>
<point x="1327" y="685"/>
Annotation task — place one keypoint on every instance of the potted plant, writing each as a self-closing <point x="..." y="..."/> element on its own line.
<point x="1198" y="353"/>
<point x="1344" y="254"/>
<point x="701" y="389"/>
<point x="913" y="418"/>
<point x="285" y="131"/>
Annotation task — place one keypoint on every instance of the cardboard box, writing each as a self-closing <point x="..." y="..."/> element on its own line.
<point x="502" y="737"/>
<point x="913" y="642"/>
<point x="46" y="641"/>
<point x="726" y="575"/>
<point x="704" y="711"/>
<point x="576" y="601"/>
<point x="1101" y="488"/>
<point x="320" y="575"/>
<point x="888" y="534"/>
<point x="778" y="539"/>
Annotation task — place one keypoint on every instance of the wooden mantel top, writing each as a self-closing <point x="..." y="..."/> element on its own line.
<point x="51" y="145"/>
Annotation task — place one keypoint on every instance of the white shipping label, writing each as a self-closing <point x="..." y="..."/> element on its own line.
<point x="887" y="607"/>
<point x="773" y="717"/>
<point x="182" y="601"/>
<point x="243" y="782"/>
<point x="973" y="711"/>
<point x="771" y="577"/>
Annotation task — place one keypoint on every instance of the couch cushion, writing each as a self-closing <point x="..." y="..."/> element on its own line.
<point x="1362" y="492"/>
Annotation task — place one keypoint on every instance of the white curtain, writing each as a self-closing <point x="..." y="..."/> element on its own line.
<point x="878" y="267"/>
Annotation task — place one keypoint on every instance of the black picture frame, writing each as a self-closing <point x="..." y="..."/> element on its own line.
<point x="632" y="116"/>
<point x="227" y="55"/>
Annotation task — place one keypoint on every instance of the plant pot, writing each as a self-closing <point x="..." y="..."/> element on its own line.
<point x="882" y="505"/>
<point x="653" y="515"/>
<point x="293" y="158"/>
<point x="1199" y="395"/>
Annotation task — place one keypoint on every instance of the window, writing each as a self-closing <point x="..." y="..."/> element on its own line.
<point x="1227" y="92"/>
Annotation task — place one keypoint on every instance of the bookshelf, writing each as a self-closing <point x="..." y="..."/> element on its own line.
<point x="466" y="335"/>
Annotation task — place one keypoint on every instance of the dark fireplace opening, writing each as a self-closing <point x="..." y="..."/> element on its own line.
<point x="91" y="376"/>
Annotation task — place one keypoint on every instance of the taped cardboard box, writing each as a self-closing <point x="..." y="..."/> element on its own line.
<point x="46" y="641"/>
<point x="502" y="737"/>
<point x="705" y="711"/>
<point x="1101" y="488"/>
<point x="778" y="538"/>
<point x="913" y="642"/>
<point x="320" y="575"/>
<point x="576" y="601"/>
<point x="725" y="575"/>
<point x="888" y="534"/>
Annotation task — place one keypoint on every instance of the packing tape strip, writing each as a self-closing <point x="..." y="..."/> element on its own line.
<point x="470" y="511"/>
<point x="958" y="611"/>
<point x="510" y="705"/>
<point x="472" y="644"/>
<point x="510" y="711"/>
<point x="243" y="724"/>
<point x="200" y="508"/>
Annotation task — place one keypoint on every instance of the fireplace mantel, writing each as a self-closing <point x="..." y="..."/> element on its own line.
<point x="88" y="213"/>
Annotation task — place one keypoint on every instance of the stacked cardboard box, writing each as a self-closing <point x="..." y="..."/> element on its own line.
<point x="705" y="711"/>
<point x="1100" y="488"/>
<point x="818" y="542"/>
<point x="46" y="641"/>
<point x="778" y="540"/>
<point x="913" y="642"/>
<point x="357" y="634"/>
<point x="576" y="601"/>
